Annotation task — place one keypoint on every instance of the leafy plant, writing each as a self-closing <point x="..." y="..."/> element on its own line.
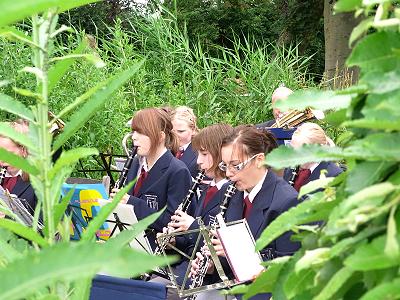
<point x="356" y="253"/>
<point x="52" y="265"/>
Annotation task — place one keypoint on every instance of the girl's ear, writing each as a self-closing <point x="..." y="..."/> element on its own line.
<point x="260" y="160"/>
<point x="162" y="136"/>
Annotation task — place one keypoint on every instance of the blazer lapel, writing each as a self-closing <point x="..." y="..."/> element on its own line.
<point x="317" y="171"/>
<point x="261" y="203"/>
<point x="188" y="155"/>
<point x="20" y="187"/>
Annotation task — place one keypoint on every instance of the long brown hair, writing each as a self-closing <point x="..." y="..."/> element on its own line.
<point x="151" y="122"/>
<point x="210" y="139"/>
<point x="251" y="140"/>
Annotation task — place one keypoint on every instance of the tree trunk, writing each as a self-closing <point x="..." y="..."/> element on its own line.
<point x="337" y="30"/>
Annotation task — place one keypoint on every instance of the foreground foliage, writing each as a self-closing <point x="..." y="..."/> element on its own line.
<point x="47" y="265"/>
<point x="356" y="254"/>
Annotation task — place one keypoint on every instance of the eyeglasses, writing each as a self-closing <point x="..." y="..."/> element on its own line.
<point x="235" y="168"/>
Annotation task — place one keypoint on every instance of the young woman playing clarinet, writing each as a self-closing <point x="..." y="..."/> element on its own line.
<point x="261" y="198"/>
<point x="13" y="179"/>
<point x="162" y="179"/>
<point x="184" y="125"/>
<point x="207" y="143"/>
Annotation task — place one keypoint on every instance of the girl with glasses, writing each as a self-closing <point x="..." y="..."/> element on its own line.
<point x="162" y="179"/>
<point x="262" y="195"/>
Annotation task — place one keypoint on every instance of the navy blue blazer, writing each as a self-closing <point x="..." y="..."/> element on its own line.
<point x="189" y="157"/>
<point x="332" y="168"/>
<point x="266" y="124"/>
<point x="24" y="190"/>
<point x="166" y="184"/>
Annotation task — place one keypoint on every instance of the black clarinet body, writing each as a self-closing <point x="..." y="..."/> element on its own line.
<point x="124" y="174"/>
<point x="3" y="171"/>
<point x="293" y="175"/>
<point x="203" y="264"/>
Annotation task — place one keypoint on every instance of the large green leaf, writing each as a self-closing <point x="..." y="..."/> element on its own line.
<point x="283" y="156"/>
<point x="375" y="52"/>
<point x="371" y="257"/>
<point x="367" y="173"/>
<point x="59" y="208"/>
<point x="313" y="258"/>
<point x="310" y="210"/>
<point x="14" y="11"/>
<point x="384" y="291"/>
<point x="337" y="281"/>
<point x="20" y="138"/>
<point x="382" y="82"/>
<point x="374" y="124"/>
<point x="360" y="29"/>
<point x="67" y="262"/>
<point x="316" y="99"/>
<point x="15" y="107"/>
<point x="17" y="161"/>
<point x="23" y="231"/>
<point x="94" y="104"/>
<point x="298" y="282"/>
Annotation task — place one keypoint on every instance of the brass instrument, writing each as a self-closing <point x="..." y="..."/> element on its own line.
<point x="293" y="118"/>
<point x="57" y="125"/>
<point x="128" y="162"/>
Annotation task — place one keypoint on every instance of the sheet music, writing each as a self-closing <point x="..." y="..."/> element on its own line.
<point x="239" y="246"/>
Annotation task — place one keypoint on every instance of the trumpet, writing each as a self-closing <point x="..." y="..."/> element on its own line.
<point x="293" y="118"/>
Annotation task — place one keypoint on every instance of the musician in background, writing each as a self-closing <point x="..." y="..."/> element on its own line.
<point x="184" y="125"/>
<point x="261" y="198"/>
<point x="280" y="94"/>
<point x="310" y="133"/>
<point x="16" y="181"/>
<point x="207" y="143"/>
<point x="162" y="179"/>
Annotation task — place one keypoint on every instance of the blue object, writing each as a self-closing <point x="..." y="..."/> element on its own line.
<point x="110" y="288"/>
<point x="282" y="135"/>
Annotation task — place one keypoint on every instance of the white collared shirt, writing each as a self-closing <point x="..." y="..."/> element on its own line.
<point x="218" y="184"/>
<point x="255" y="189"/>
<point x="143" y="162"/>
<point x="184" y="147"/>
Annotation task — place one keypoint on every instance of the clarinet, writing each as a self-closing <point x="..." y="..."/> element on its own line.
<point x="203" y="264"/>
<point x="124" y="174"/>
<point x="3" y="171"/>
<point x="293" y="175"/>
<point x="184" y="206"/>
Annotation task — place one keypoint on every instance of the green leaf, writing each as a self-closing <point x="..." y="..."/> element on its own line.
<point x="298" y="282"/>
<point x="305" y="212"/>
<point x="20" y="138"/>
<point x="283" y="157"/>
<point x="71" y="157"/>
<point x="371" y="257"/>
<point x="384" y="291"/>
<point x="374" y="124"/>
<point x="94" y="104"/>
<point x="392" y="248"/>
<point x="382" y="82"/>
<point x="23" y="231"/>
<point x="360" y="29"/>
<point x="315" y="185"/>
<point x="315" y="99"/>
<point x="18" y="162"/>
<point x="336" y="118"/>
<point x="102" y="216"/>
<point x="14" y="11"/>
<point x="264" y="283"/>
<point x="12" y="33"/>
<point x="312" y="258"/>
<point x="375" y="52"/>
<point x="57" y="71"/>
<point x="347" y="5"/>
<point x="71" y="262"/>
<point x="335" y="284"/>
<point x="367" y="173"/>
<point x="15" y="107"/>
<point x="59" y="208"/>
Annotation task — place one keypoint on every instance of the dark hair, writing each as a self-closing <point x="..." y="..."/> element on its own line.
<point x="210" y="139"/>
<point x="251" y="140"/>
<point x="152" y="121"/>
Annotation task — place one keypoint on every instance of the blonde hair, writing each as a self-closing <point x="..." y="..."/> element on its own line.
<point x="311" y="133"/>
<point x="186" y="114"/>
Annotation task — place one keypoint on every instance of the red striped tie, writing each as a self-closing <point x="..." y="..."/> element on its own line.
<point x="9" y="183"/>
<point x="211" y="191"/>
<point x="179" y="154"/>
<point x="301" y="178"/>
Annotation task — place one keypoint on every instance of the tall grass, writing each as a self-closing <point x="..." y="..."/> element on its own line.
<point x="234" y="86"/>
